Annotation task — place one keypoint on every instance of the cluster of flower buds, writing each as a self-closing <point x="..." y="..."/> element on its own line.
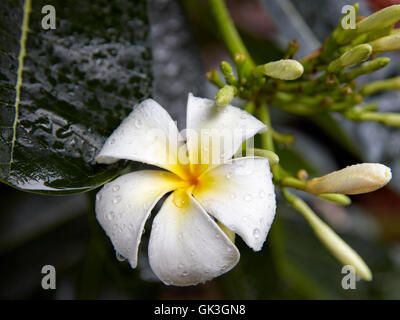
<point x="324" y="81"/>
<point x="321" y="83"/>
<point x="285" y="69"/>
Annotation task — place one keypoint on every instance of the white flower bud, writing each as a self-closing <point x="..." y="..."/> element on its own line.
<point x="356" y="179"/>
<point x="388" y="43"/>
<point x="283" y="69"/>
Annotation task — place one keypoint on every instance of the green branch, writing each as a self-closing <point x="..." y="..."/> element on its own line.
<point x="230" y="36"/>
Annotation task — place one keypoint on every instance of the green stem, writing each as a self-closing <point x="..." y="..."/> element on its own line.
<point x="390" y="119"/>
<point x="292" y="182"/>
<point x="230" y="35"/>
<point x="250" y="107"/>
<point x="381" y="85"/>
<point x="272" y="157"/>
<point x="339" y="248"/>
<point x="267" y="141"/>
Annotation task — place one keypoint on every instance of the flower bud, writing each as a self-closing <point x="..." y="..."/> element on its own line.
<point x="225" y="95"/>
<point x="283" y="69"/>
<point x="361" y="114"/>
<point x="351" y="57"/>
<point x="239" y="58"/>
<point x="367" y="67"/>
<point x="356" y="179"/>
<point x="227" y="71"/>
<point x="381" y="85"/>
<point x="214" y="78"/>
<point x="392" y="119"/>
<point x="380" y="19"/>
<point x="388" y="43"/>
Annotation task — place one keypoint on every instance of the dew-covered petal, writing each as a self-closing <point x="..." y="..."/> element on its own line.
<point x="240" y="195"/>
<point x="214" y="133"/>
<point x="123" y="206"/>
<point x="147" y="135"/>
<point x="186" y="245"/>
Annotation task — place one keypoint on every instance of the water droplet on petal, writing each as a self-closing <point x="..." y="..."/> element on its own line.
<point x="116" y="200"/>
<point x="115" y="188"/>
<point x="138" y="123"/>
<point x="247" y="197"/>
<point x="232" y="196"/>
<point x="180" y="198"/>
<point x="120" y="257"/>
<point x="99" y="197"/>
<point x="256" y="233"/>
<point x="185" y="273"/>
<point x="180" y="266"/>
<point x="110" y="216"/>
<point x="262" y="194"/>
<point x="228" y="175"/>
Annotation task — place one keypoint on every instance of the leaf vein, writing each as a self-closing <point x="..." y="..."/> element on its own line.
<point x="22" y="53"/>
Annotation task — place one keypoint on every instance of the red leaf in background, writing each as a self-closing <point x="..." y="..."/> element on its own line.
<point x="376" y="5"/>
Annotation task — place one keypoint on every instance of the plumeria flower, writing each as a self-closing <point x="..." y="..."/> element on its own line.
<point x="191" y="236"/>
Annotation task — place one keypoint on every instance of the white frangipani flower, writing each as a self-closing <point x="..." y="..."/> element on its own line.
<point x="187" y="246"/>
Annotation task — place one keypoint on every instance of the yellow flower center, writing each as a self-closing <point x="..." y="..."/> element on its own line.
<point x="188" y="185"/>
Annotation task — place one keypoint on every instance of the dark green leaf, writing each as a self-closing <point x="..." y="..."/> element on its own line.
<point x="78" y="82"/>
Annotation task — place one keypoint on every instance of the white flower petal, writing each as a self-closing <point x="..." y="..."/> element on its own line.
<point x="147" y="135"/>
<point x="226" y="127"/>
<point x="186" y="245"/>
<point x="123" y="206"/>
<point x="240" y="195"/>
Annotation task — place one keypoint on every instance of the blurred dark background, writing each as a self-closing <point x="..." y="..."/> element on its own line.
<point x="37" y="230"/>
